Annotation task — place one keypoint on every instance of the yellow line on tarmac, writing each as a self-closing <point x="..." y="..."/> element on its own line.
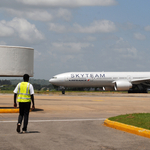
<point x="10" y="110"/>
<point x="127" y="128"/>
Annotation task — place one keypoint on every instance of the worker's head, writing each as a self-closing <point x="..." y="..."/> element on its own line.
<point x="26" y="77"/>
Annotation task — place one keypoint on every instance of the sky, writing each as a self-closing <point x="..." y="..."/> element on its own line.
<point x="75" y="35"/>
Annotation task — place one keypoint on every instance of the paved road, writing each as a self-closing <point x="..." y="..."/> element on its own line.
<point x="74" y="122"/>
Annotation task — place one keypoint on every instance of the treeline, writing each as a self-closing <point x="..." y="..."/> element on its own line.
<point x="32" y="81"/>
<point x="39" y="85"/>
<point x="5" y="82"/>
<point x="8" y="85"/>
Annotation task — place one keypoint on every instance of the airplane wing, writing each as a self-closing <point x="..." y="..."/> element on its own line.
<point x="138" y="81"/>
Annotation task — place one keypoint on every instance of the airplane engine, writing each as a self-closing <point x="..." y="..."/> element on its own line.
<point x="121" y="85"/>
<point x="108" y="88"/>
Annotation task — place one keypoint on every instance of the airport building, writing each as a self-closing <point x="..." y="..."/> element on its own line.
<point x="16" y="61"/>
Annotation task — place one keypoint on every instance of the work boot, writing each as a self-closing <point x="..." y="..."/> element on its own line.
<point x="25" y="131"/>
<point x="18" y="127"/>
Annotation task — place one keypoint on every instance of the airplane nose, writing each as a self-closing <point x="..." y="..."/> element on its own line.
<point x="50" y="80"/>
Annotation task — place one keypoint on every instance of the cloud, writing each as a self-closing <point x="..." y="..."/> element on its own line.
<point x="90" y="38"/>
<point x="127" y="52"/>
<point x="104" y="26"/>
<point x="70" y="47"/>
<point x="68" y="3"/>
<point x="147" y="28"/>
<point x="21" y="28"/>
<point x="26" y="30"/>
<point x="69" y="53"/>
<point x="39" y="15"/>
<point x="139" y="36"/>
<point x="5" y="31"/>
<point x="57" y="28"/>
<point x="64" y="13"/>
<point x="128" y="26"/>
<point x="124" y="49"/>
<point x="36" y="54"/>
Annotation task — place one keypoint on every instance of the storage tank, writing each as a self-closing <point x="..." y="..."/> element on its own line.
<point x="16" y="61"/>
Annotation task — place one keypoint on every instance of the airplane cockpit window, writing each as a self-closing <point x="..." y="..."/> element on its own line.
<point x="54" y="77"/>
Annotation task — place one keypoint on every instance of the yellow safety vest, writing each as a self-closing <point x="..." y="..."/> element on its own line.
<point x="23" y="92"/>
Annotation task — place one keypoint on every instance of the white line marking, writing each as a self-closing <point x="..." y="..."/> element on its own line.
<point x="65" y="120"/>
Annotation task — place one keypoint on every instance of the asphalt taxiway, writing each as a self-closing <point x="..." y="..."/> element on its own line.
<point x="74" y="121"/>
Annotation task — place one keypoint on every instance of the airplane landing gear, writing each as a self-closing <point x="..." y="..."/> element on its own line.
<point x="62" y="89"/>
<point x="138" y="90"/>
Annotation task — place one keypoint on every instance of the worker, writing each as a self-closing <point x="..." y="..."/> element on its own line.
<point x="24" y="93"/>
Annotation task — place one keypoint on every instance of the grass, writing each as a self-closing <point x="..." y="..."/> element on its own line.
<point x="141" y="120"/>
<point x="6" y="91"/>
<point x="59" y="92"/>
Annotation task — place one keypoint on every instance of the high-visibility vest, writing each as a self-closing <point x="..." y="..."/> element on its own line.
<point x="23" y="92"/>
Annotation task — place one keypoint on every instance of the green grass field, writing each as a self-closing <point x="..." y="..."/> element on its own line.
<point x="141" y="120"/>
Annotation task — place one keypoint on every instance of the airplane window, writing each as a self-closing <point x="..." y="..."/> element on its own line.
<point x="54" y="77"/>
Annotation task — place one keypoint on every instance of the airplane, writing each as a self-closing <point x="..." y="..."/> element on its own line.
<point x="133" y="82"/>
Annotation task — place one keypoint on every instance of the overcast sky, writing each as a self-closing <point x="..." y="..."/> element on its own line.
<point x="79" y="35"/>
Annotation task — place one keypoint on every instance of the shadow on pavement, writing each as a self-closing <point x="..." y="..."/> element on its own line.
<point x="29" y="132"/>
<point x="7" y="108"/>
<point x="36" y="109"/>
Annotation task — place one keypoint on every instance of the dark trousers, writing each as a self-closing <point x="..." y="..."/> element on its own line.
<point x="24" y="109"/>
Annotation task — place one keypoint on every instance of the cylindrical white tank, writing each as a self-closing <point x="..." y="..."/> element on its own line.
<point x="16" y="61"/>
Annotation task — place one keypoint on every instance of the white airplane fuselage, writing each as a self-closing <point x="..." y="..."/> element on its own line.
<point x="107" y="80"/>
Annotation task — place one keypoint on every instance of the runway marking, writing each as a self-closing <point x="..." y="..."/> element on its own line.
<point x="65" y="120"/>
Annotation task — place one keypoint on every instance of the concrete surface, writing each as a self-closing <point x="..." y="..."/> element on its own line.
<point x="74" y="122"/>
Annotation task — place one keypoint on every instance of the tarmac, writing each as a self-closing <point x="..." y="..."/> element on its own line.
<point x="74" y="121"/>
